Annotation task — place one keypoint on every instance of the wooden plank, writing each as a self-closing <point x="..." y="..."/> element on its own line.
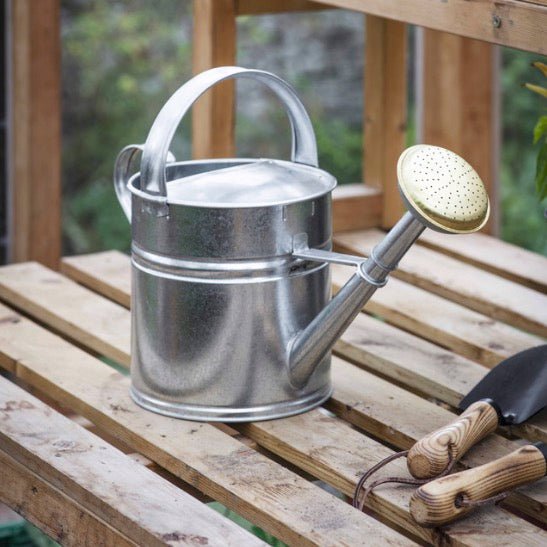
<point x="385" y="110"/>
<point x="110" y="274"/>
<point x="49" y="509"/>
<point x="252" y="7"/>
<point x="521" y="24"/>
<point x="441" y="321"/>
<point x="459" y="84"/>
<point x="399" y="417"/>
<point x="493" y="255"/>
<point x="36" y="290"/>
<point x="132" y="499"/>
<point x="104" y="394"/>
<point x="331" y="450"/>
<point x="375" y="345"/>
<point x="401" y="363"/>
<point x="214" y="44"/>
<point x="35" y="132"/>
<point x="475" y="288"/>
<point x="356" y="207"/>
<point x="262" y="491"/>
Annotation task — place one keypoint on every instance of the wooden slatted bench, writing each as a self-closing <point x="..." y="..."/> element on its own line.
<point x="399" y="371"/>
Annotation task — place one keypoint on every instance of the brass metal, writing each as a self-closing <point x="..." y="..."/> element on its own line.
<point x="442" y="189"/>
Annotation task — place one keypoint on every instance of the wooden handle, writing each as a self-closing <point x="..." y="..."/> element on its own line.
<point x="430" y="456"/>
<point x="439" y="502"/>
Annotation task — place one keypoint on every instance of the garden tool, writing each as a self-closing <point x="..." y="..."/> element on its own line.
<point x="445" y="499"/>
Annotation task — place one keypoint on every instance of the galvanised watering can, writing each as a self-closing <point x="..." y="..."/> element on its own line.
<point x="232" y="318"/>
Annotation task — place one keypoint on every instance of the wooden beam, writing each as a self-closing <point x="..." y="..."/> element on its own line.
<point x="214" y="45"/>
<point x="356" y="207"/>
<point x="459" y="104"/>
<point x="514" y="23"/>
<point x="35" y="132"/>
<point x="252" y="7"/>
<point x="385" y="110"/>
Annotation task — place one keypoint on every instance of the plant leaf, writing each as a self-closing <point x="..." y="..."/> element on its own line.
<point x="537" y="89"/>
<point x="541" y="172"/>
<point x="540" y="129"/>
<point x="540" y="66"/>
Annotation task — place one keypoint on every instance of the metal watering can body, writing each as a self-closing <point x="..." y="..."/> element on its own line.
<point x="231" y="312"/>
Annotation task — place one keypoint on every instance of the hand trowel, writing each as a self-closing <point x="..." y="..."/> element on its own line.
<point x="509" y="394"/>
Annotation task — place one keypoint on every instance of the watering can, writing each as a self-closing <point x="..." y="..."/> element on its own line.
<point x="232" y="316"/>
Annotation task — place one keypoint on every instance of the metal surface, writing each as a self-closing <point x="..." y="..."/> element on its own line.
<point x="442" y="189"/>
<point x="231" y="318"/>
<point x="518" y="386"/>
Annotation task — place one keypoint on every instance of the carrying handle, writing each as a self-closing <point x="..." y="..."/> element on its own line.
<point x="304" y="149"/>
<point x="430" y="456"/>
<point x="122" y="170"/>
<point x="441" y="501"/>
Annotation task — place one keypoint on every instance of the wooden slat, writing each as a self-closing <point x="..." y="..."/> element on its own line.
<point x="522" y="23"/>
<point x="108" y="391"/>
<point x="328" y="448"/>
<point x="49" y="509"/>
<point x="475" y="288"/>
<point x="36" y="290"/>
<point x="493" y="255"/>
<point x="385" y="110"/>
<point x="459" y="109"/>
<point x="133" y="500"/>
<point x="441" y="321"/>
<point x="356" y="207"/>
<point x="252" y="7"/>
<point x="250" y="484"/>
<point x="412" y="361"/>
<point x="35" y="132"/>
<point x="420" y="365"/>
<point x="214" y="44"/>
<point x="399" y="417"/>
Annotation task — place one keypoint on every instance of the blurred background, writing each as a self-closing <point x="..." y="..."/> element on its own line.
<point x="121" y="60"/>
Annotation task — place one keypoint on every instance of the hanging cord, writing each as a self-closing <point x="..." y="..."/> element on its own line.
<point x="360" y="503"/>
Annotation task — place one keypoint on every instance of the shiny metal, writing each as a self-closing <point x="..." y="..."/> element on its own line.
<point x="442" y="189"/>
<point x="231" y="318"/>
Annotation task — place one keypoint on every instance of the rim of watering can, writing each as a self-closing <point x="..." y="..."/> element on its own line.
<point x="143" y="194"/>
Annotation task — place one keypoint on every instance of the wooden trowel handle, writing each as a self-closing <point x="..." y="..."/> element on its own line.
<point x="443" y="500"/>
<point x="430" y="456"/>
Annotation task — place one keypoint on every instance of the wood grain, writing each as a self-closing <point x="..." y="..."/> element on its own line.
<point x="438" y="502"/>
<point x="214" y="44"/>
<point x="45" y="506"/>
<point x="133" y="500"/>
<point x="247" y="482"/>
<point x="380" y="412"/>
<point x="464" y="331"/>
<point x="252" y="7"/>
<point x="432" y="454"/>
<point x="355" y="207"/>
<point x="385" y="110"/>
<point x="35" y="132"/>
<point x="459" y="83"/>
<point x="522" y="23"/>
<point x="493" y="255"/>
<point x="477" y="289"/>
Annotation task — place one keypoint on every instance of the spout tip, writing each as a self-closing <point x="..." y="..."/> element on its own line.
<point x="442" y="190"/>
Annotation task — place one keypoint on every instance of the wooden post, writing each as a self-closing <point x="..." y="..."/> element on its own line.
<point x="385" y="110"/>
<point x="214" y="45"/>
<point x="35" y="132"/>
<point x="460" y="106"/>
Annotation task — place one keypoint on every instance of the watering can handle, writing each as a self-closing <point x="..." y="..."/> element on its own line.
<point x="122" y="170"/>
<point x="157" y="144"/>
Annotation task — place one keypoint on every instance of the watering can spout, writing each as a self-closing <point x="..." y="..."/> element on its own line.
<point x="311" y="344"/>
<point x="435" y="199"/>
